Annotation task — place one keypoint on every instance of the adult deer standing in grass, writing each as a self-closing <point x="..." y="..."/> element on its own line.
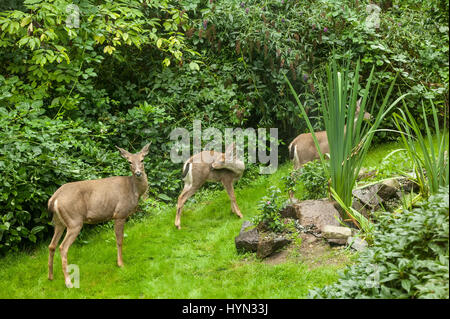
<point x="210" y="166"/>
<point x="94" y="201"/>
<point x="303" y="149"/>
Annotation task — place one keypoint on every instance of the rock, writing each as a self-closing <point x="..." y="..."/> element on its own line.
<point x="388" y="189"/>
<point x="308" y="238"/>
<point x="367" y="197"/>
<point x="247" y="240"/>
<point x="357" y="243"/>
<point x="364" y="173"/>
<point x="319" y="213"/>
<point x="289" y="212"/>
<point x="267" y="245"/>
<point x="336" y="232"/>
<point x="337" y="241"/>
<point x="408" y="185"/>
<point x="357" y="205"/>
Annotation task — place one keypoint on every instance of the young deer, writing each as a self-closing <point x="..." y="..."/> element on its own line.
<point x="210" y="166"/>
<point x="94" y="201"/>
<point x="302" y="149"/>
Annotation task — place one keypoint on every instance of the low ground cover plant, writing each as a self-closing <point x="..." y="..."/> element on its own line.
<point x="409" y="257"/>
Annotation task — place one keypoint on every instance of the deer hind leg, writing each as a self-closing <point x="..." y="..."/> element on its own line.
<point x="71" y="235"/>
<point x="228" y="184"/>
<point x="59" y="229"/>
<point x="118" y="229"/>
<point x="187" y="192"/>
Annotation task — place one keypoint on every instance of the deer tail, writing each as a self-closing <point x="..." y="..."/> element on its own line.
<point x="292" y="150"/>
<point x="186" y="168"/>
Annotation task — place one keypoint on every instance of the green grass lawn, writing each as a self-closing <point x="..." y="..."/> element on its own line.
<point x="198" y="261"/>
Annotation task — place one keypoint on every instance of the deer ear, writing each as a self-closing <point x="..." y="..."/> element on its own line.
<point x="144" y="150"/>
<point x="123" y="152"/>
<point x="358" y="103"/>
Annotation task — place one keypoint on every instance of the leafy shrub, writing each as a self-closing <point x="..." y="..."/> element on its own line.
<point x="409" y="259"/>
<point x="37" y="155"/>
<point x="269" y="211"/>
<point x="314" y="179"/>
<point x="260" y="42"/>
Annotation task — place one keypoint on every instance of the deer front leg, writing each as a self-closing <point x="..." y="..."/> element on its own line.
<point x="228" y="184"/>
<point x="118" y="229"/>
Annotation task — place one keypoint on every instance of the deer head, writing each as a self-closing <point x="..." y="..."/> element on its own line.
<point x="136" y="161"/>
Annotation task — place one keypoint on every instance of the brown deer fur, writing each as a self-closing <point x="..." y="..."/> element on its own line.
<point x="93" y="201"/>
<point x="210" y="166"/>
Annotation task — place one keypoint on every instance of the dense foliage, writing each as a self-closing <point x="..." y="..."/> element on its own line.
<point x="409" y="258"/>
<point x="132" y="70"/>
<point x="269" y="211"/>
<point x="314" y="180"/>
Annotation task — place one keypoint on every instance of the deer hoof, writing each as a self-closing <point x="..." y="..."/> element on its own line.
<point x="50" y="277"/>
<point x="69" y="284"/>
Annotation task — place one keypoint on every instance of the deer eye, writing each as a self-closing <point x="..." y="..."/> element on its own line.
<point x="130" y="162"/>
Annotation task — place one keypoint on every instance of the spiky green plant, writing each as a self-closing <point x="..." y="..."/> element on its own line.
<point x="431" y="167"/>
<point x="348" y="139"/>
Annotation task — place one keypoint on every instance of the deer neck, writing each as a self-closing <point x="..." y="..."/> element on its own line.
<point x="140" y="184"/>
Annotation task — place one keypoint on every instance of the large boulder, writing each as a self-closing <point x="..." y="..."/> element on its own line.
<point x="263" y="243"/>
<point x="319" y="213"/>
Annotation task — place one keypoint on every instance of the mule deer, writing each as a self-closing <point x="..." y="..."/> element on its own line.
<point x="303" y="149"/>
<point x="210" y="166"/>
<point x="94" y="201"/>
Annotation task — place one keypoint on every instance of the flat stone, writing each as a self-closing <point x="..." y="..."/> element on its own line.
<point x="336" y="232"/>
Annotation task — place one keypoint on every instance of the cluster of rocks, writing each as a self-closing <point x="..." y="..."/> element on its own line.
<point x="321" y="220"/>
<point x="318" y="218"/>
<point x="385" y="194"/>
